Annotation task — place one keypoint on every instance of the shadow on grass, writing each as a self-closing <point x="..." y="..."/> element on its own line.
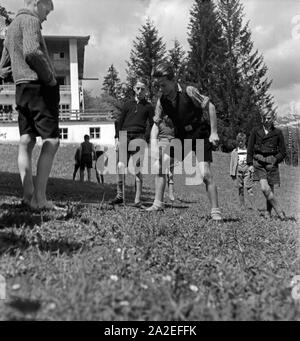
<point x="10" y="243"/>
<point x="67" y="190"/>
<point x="24" y="306"/>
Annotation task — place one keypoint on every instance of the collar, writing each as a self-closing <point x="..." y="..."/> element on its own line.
<point x="179" y="88"/>
<point x="28" y="12"/>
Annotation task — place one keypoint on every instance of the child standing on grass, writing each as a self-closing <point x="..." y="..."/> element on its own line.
<point x="266" y="150"/>
<point x="239" y="170"/>
<point x="77" y="158"/>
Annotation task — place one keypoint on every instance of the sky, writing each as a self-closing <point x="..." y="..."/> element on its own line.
<point x="114" y="24"/>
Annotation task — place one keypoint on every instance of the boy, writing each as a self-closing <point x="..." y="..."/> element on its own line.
<point x="239" y="170"/>
<point x="37" y="97"/>
<point x="88" y="154"/>
<point x="266" y="150"/>
<point x="77" y="158"/>
<point x="135" y="115"/>
<point x="194" y="118"/>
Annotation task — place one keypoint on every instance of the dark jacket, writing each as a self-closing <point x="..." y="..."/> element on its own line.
<point x="135" y="118"/>
<point x="271" y="144"/>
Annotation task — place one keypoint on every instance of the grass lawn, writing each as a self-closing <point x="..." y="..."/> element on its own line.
<point x="100" y="263"/>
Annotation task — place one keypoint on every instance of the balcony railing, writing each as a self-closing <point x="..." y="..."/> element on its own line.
<point x="72" y="116"/>
<point x="11" y="88"/>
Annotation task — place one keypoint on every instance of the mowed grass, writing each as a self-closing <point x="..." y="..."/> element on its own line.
<point x="100" y="263"/>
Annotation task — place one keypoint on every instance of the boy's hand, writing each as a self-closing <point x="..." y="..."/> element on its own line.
<point x="6" y="71"/>
<point x="214" y="139"/>
<point x="233" y="177"/>
<point x="251" y="169"/>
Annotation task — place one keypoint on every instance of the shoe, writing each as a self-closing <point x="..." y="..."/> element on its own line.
<point x="154" y="208"/>
<point x="117" y="201"/>
<point x="216" y="215"/>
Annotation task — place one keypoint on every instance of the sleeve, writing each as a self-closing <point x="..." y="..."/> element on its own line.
<point x="5" y="69"/>
<point x="149" y="122"/>
<point x="281" y="155"/>
<point x="250" y="151"/>
<point x="33" y="53"/>
<point x="158" y="113"/>
<point x="120" y="121"/>
<point x="200" y="101"/>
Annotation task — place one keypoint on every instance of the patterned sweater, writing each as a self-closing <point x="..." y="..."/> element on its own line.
<point x="25" y="50"/>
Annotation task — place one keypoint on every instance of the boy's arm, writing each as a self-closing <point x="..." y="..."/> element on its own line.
<point x="203" y="102"/>
<point x="33" y="54"/>
<point x="281" y="149"/>
<point x="120" y="121"/>
<point x="5" y="68"/>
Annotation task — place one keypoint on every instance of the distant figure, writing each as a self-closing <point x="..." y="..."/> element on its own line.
<point x="37" y="97"/>
<point x="100" y="164"/>
<point x="240" y="171"/>
<point x="266" y="150"/>
<point x="77" y="158"/>
<point x="87" y="152"/>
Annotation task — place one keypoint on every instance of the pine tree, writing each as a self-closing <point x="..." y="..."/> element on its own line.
<point x="111" y="83"/>
<point x="246" y="83"/>
<point x="206" y="56"/>
<point x="148" y="51"/>
<point x="177" y="57"/>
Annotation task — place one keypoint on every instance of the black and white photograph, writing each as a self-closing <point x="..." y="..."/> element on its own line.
<point x="149" y="163"/>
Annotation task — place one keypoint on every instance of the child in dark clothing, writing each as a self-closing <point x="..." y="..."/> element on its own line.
<point x="266" y="150"/>
<point x="77" y="162"/>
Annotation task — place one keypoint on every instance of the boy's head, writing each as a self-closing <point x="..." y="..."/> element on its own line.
<point x="140" y="89"/>
<point x="164" y="74"/>
<point x="268" y="118"/>
<point x="86" y="138"/>
<point x="40" y="7"/>
<point x="241" y="140"/>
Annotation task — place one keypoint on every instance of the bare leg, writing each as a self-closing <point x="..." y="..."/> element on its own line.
<point x="242" y="196"/>
<point x="160" y="186"/>
<point x="26" y="146"/>
<point x="44" y="166"/>
<point x="138" y="187"/>
<point x="211" y="187"/>
<point x="271" y="200"/>
<point x="212" y="191"/>
<point x="89" y="174"/>
<point x="81" y="175"/>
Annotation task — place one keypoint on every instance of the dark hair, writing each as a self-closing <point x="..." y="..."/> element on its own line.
<point x="47" y="2"/>
<point x="86" y="137"/>
<point x="241" y="137"/>
<point x="164" y="70"/>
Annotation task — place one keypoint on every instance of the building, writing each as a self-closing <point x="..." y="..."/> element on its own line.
<point x="67" y="54"/>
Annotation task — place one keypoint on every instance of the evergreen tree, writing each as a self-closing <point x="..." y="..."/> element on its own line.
<point x="148" y="51"/>
<point x="207" y="52"/>
<point x="111" y="83"/>
<point x="246" y="83"/>
<point x="177" y="57"/>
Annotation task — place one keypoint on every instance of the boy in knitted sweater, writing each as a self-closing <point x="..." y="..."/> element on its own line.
<point x="37" y="97"/>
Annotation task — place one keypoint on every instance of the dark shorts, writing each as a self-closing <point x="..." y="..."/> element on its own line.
<point x="86" y="161"/>
<point x="266" y="172"/>
<point x="38" y="107"/>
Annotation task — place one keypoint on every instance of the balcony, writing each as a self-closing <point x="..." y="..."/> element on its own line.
<point x="11" y="89"/>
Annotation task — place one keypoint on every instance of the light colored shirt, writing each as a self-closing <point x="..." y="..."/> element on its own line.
<point x="242" y="156"/>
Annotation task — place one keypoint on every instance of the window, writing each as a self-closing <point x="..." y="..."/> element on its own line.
<point x="64" y="107"/>
<point x="95" y="133"/>
<point x="59" y="56"/>
<point x="63" y="133"/>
